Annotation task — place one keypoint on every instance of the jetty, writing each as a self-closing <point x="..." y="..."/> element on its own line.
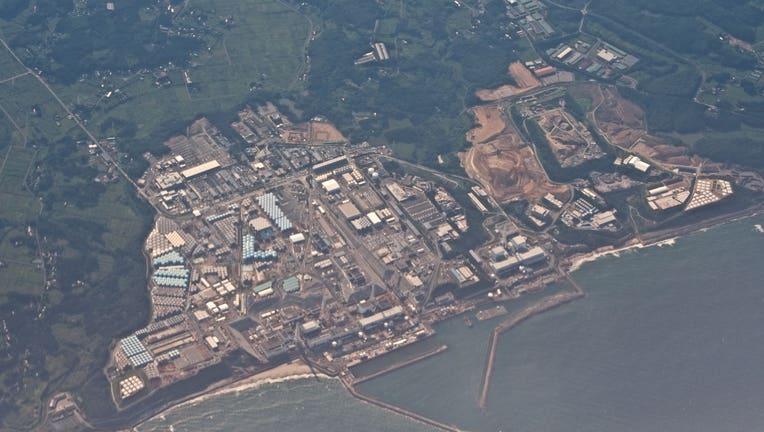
<point x="402" y="364"/>
<point x="544" y="305"/>
<point x="398" y="410"/>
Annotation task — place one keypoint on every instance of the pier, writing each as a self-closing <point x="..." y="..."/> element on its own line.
<point x="544" y="305"/>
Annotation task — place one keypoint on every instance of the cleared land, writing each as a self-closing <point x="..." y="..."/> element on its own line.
<point x="570" y="140"/>
<point x="489" y="124"/>
<point x="505" y="166"/>
<point x="623" y="124"/>
<point x="524" y="79"/>
<point x="312" y="133"/>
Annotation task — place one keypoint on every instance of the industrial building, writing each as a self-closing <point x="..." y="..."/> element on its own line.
<point x="329" y="165"/>
<point x="532" y="256"/>
<point x="200" y="169"/>
<point x="349" y="210"/>
<point x="291" y="285"/>
<point x="505" y="266"/>
<point x="397" y="192"/>
<point x="269" y="204"/>
<point x="636" y="163"/>
<point x="331" y="186"/>
<point x="380" y="317"/>
<point x="135" y="351"/>
<point x="380" y="51"/>
<point x="540" y="211"/>
<point x="261" y="227"/>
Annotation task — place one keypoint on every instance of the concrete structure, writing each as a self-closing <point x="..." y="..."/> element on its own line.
<point x="519" y="243"/>
<point x="260" y="224"/>
<point x="604" y="218"/>
<point x="532" y="256"/>
<point x="540" y="211"/>
<point x="200" y="169"/>
<point x="331" y="186"/>
<point x="637" y="163"/>
<point x="553" y="201"/>
<point x="330" y="164"/>
<point x="505" y="266"/>
<point x="380" y="317"/>
<point x="498" y="253"/>
<point x="374" y="219"/>
<point x="349" y="210"/>
<point x="397" y="192"/>
<point x="606" y="55"/>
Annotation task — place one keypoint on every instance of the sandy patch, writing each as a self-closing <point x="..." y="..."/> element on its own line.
<point x="524" y="79"/>
<point x="489" y="124"/>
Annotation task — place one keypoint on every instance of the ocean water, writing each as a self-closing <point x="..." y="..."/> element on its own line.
<point x="295" y="405"/>
<point x="667" y="339"/>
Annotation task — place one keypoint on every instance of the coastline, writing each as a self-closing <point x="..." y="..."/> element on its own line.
<point x="297" y="369"/>
<point x="575" y="262"/>
<point x="294" y="370"/>
<point x="660" y="238"/>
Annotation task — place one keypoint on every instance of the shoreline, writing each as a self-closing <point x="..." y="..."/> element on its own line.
<point x="659" y="238"/>
<point x="297" y="369"/>
<point x="294" y="370"/>
<point x="575" y="262"/>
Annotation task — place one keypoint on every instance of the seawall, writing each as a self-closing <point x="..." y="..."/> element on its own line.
<point x="544" y="305"/>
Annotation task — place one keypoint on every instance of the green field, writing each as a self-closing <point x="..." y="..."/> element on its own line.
<point x="264" y="50"/>
<point x="9" y="67"/>
<point x="61" y="335"/>
<point x="36" y="117"/>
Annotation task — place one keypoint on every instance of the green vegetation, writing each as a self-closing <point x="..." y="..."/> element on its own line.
<point x="59" y="331"/>
<point x="60" y="335"/>
<point x="687" y="55"/>
<point x="142" y="72"/>
<point x="415" y="101"/>
<point x="239" y="48"/>
<point x="69" y="43"/>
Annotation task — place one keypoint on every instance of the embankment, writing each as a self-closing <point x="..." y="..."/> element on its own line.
<point x="403" y="364"/>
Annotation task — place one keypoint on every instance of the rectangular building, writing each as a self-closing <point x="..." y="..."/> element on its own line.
<point x="200" y="169"/>
<point x="349" y="210"/>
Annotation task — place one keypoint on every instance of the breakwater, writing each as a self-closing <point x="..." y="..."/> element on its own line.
<point x="544" y="305"/>
<point x="405" y="363"/>
<point x="398" y="410"/>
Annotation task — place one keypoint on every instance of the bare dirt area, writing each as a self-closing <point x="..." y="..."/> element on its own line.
<point x="571" y="141"/>
<point x="656" y="149"/>
<point x="623" y="124"/>
<point x="524" y="79"/>
<point x="314" y="132"/>
<point x="489" y="124"/>
<point x="508" y="169"/>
